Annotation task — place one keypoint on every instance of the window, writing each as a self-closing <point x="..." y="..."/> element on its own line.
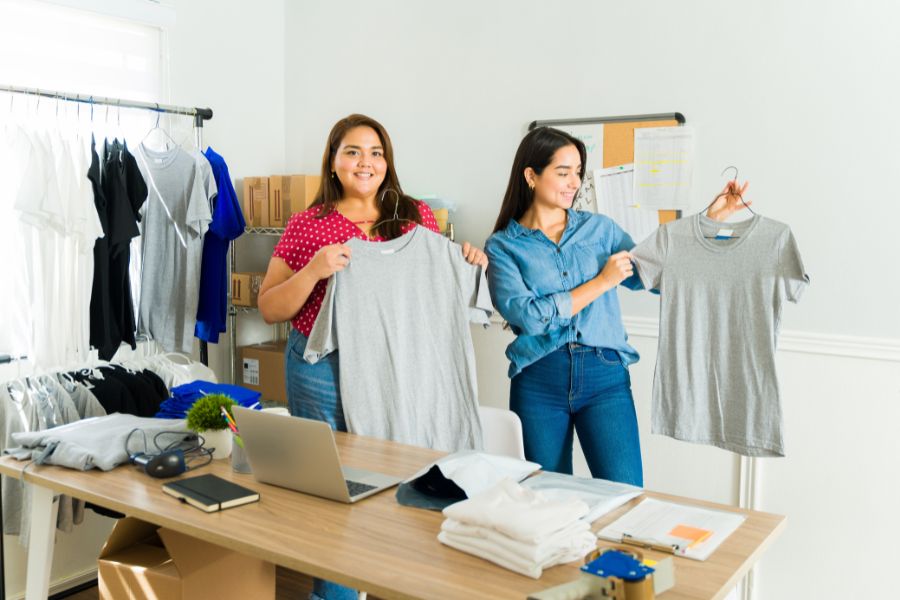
<point x="102" y="48"/>
<point x="48" y="46"/>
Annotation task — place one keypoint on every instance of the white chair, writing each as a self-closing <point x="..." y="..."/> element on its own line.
<point x="502" y="432"/>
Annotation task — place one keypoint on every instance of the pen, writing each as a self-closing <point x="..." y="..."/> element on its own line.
<point x="232" y="426"/>
<point x="228" y="419"/>
<point x="627" y="538"/>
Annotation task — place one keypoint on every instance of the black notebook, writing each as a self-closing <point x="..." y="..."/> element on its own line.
<point x="210" y="493"/>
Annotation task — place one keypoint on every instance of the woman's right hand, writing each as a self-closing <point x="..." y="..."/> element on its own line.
<point x="617" y="269"/>
<point x="328" y="260"/>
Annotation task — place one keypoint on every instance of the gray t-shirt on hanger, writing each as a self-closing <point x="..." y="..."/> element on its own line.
<point x="720" y="311"/>
<point x="174" y="219"/>
<point x="399" y="314"/>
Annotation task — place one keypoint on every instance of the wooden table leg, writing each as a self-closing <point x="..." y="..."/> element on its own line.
<point x="40" y="543"/>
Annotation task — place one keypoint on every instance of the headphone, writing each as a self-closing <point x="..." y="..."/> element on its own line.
<point x="171" y="460"/>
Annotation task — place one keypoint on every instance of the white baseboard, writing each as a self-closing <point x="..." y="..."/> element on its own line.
<point x="61" y="585"/>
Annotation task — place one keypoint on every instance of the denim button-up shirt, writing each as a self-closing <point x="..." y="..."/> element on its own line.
<point x="530" y="279"/>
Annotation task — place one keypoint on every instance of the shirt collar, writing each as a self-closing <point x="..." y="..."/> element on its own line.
<point x="515" y="229"/>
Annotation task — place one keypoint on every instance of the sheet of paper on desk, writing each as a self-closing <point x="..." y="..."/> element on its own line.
<point x="696" y="531"/>
<point x="614" y="190"/>
<point x="663" y="167"/>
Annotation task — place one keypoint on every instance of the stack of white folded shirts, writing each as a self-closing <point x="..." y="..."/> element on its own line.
<point x="518" y="528"/>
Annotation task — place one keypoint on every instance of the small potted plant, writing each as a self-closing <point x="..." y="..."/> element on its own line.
<point x="205" y="417"/>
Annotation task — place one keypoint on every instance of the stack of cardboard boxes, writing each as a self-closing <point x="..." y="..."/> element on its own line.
<point x="270" y="201"/>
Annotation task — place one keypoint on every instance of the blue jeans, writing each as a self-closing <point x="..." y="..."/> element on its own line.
<point x="313" y="392"/>
<point x="586" y="389"/>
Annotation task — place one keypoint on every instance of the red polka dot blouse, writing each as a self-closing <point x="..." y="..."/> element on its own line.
<point x="303" y="237"/>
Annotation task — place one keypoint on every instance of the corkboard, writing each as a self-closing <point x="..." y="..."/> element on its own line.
<point x="618" y="140"/>
<point x="618" y="149"/>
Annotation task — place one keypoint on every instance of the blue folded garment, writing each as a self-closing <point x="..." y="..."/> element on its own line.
<point x="184" y="396"/>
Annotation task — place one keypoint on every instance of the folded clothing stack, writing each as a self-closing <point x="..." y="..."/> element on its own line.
<point x="184" y="396"/>
<point x="518" y="528"/>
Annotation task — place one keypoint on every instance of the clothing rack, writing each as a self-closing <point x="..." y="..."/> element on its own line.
<point x="199" y="115"/>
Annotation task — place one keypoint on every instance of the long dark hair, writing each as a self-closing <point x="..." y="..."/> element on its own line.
<point x="535" y="151"/>
<point x="331" y="189"/>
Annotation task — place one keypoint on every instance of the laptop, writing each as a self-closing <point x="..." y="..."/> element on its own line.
<point x="301" y="454"/>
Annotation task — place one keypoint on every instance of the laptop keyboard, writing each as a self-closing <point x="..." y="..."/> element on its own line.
<point x="357" y="488"/>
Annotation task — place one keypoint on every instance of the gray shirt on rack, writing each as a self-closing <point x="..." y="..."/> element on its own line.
<point x="720" y="311"/>
<point x="399" y="314"/>
<point x="173" y="221"/>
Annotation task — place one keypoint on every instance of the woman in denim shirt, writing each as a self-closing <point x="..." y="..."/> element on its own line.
<point x="550" y="270"/>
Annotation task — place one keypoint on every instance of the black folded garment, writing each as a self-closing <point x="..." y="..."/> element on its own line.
<point x="431" y="491"/>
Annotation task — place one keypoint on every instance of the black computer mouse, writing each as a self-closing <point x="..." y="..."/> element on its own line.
<point x="166" y="464"/>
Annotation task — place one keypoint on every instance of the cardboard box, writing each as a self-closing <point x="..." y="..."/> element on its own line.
<point x="262" y="369"/>
<point x="245" y="288"/>
<point x="441" y="215"/>
<point x="143" y="560"/>
<point x="289" y="194"/>
<point x="256" y="202"/>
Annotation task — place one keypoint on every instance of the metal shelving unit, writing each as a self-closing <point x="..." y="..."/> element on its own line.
<point x="234" y="311"/>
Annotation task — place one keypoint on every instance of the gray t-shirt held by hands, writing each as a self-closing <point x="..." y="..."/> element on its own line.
<point x="720" y="312"/>
<point x="399" y="315"/>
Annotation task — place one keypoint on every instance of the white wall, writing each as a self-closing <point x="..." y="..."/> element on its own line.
<point x="231" y="57"/>
<point x="796" y="94"/>
<point x="792" y="93"/>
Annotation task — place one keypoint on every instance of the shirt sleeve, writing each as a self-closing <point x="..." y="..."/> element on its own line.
<point x="428" y="220"/>
<point x="323" y="337"/>
<point x="793" y="277"/>
<point x="198" y="213"/>
<point x="650" y="258"/>
<point x="479" y="297"/>
<point x="624" y="242"/>
<point x="527" y="312"/>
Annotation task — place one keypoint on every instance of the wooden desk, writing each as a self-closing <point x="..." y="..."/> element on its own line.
<point x="375" y="545"/>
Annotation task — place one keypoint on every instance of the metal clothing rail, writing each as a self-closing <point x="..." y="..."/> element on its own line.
<point x="199" y="114"/>
<point x="589" y="120"/>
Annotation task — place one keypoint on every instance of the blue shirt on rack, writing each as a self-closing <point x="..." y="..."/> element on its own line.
<point x="530" y="278"/>
<point x="227" y="224"/>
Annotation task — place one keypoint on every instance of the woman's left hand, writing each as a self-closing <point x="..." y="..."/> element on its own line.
<point x="473" y="255"/>
<point x="731" y="199"/>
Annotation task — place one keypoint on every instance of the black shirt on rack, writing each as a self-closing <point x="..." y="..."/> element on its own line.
<point x="102" y="336"/>
<point x="125" y="191"/>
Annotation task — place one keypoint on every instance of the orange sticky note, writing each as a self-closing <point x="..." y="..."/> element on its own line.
<point x="694" y="534"/>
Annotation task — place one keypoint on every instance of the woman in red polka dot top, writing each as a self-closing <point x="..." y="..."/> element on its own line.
<point x="357" y="169"/>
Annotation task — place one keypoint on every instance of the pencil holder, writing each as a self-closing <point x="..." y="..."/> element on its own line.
<point x="239" y="462"/>
<point x="220" y="439"/>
